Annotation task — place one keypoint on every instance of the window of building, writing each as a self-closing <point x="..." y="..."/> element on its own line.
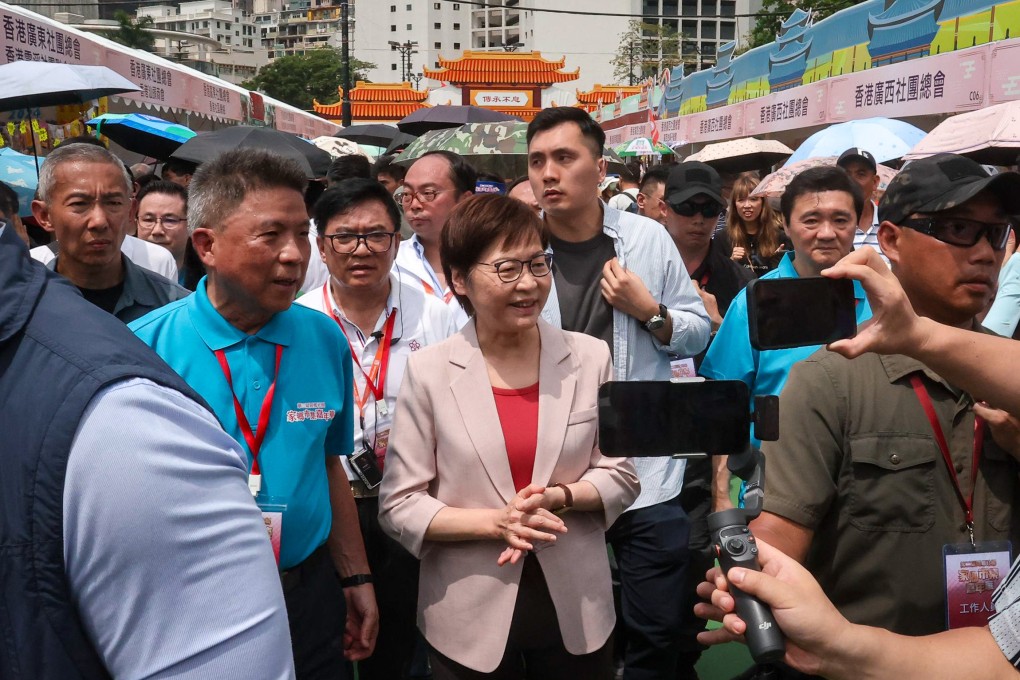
<point x="408" y="8"/>
<point x="393" y="8"/>
<point x="690" y="8"/>
<point x="437" y="25"/>
<point x="708" y="7"/>
<point x="690" y="29"/>
<point x="650" y="7"/>
<point x="456" y="46"/>
<point x="409" y="27"/>
<point x="728" y="8"/>
<point x="456" y="6"/>
<point x="437" y="46"/>
<point x="437" y="65"/>
<point x="708" y="29"/>
<point x="393" y="28"/>
<point x="218" y="25"/>
<point x="727" y="30"/>
<point x="393" y="67"/>
<point x="436" y="5"/>
<point x="456" y="27"/>
<point x="671" y="7"/>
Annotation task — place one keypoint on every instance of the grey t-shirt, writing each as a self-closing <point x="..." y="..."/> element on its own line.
<point x="577" y="268"/>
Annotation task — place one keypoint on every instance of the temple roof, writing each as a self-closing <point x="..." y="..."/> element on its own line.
<point x="521" y="69"/>
<point x="600" y="95"/>
<point x="376" y="101"/>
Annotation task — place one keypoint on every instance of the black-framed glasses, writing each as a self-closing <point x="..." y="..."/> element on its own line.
<point x="424" y="196"/>
<point x="510" y="270"/>
<point x="690" y="209"/>
<point x="168" y="221"/>
<point x="959" y="231"/>
<point x="346" y="243"/>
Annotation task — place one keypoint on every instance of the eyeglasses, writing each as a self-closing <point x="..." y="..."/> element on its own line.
<point x="168" y="221"/>
<point x="957" y="231"/>
<point x="689" y="209"/>
<point x="509" y="271"/>
<point x="424" y="196"/>
<point x="346" y="243"/>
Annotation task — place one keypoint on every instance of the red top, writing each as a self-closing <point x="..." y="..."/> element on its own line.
<point x="518" y="417"/>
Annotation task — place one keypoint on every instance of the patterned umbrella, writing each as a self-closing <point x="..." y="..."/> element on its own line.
<point x="884" y="138"/>
<point x="501" y="148"/>
<point x="642" y="146"/>
<point x="740" y="155"/>
<point x="147" y="135"/>
<point x="440" y="117"/>
<point x="336" y="147"/>
<point x="775" y="184"/>
<point x="989" y="135"/>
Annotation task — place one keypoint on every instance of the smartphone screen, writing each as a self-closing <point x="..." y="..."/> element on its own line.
<point x="800" y="312"/>
<point x="664" y="418"/>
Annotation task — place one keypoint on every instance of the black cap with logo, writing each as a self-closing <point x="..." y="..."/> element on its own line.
<point x="691" y="179"/>
<point x="856" y="153"/>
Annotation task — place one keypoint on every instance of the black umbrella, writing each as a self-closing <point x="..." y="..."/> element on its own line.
<point x="208" y="145"/>
<point x="372" y="134"/>
<point x="400" y="142"/>
<point x="439" y="117"/>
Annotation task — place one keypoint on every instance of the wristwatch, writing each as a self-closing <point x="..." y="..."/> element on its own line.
<point x="657" y="321"/>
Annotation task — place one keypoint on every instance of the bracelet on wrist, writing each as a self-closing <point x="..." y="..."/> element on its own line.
<point x="568" y="500"/>
<point x="356" y="580"/>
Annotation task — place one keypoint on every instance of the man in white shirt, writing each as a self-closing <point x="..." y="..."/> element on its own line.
<point x="627" y="199"/>
<point x="861" y="166"/>
<point x="385" y="316"/>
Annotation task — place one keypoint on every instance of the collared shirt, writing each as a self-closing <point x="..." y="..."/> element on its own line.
<point x="643" y="247"/>
<point x="189" y="543"/>
<point x="143" y="291"/>
<point x="311" y="408"/>
<point x="870" y="237"/>
<point x="412" y="263"/>
<point x="1005" y="623"/>
<point x="146" y="255"/>
<point x="421" y="320"/>
<point x="858" y="464"/>
<point x="731" y="357"/>
<point x="1005" y="312"/>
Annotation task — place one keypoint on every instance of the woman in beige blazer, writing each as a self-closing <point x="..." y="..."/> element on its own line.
<point x="494" y="477"/>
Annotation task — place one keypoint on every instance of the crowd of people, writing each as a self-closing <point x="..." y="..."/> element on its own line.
<point x="262" y="426"/>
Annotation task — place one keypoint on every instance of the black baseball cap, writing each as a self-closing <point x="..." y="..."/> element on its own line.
<point x="856" y="153"/>
<point x="691" y="179"/>
<point x="942" y="182"/>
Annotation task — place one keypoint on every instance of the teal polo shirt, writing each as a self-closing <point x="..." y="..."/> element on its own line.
<point x="731" y="357"/>
<point x="312" y="413"/>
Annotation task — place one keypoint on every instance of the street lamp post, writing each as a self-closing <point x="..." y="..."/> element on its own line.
<point x="345" y="56"/>
<point x="416" y="78"/>
<point x="406" y="49"/>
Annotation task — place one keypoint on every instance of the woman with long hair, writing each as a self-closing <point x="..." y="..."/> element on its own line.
<point x="753" y="229"/>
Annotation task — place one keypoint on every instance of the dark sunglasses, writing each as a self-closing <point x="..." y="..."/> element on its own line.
<point x="690" y="209"/>
<point x="958" y="231"/>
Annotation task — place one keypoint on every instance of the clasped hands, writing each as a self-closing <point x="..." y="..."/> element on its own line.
<point x="526" y="519"/>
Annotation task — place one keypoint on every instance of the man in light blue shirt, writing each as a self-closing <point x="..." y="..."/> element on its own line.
<point x="820" y="208"/>
<point x="273" y="376"/>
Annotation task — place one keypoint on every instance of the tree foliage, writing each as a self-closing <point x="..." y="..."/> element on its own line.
<point x="132" y="32"/>
<point x="300" y="78"/>
<point x="644" y="50"/>
<point x="774" y="12"/>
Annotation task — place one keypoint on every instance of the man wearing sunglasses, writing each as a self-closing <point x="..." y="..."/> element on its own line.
<point x="883" y="467"/>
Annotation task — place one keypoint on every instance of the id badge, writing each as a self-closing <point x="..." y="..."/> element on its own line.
<point x="272" y="516"/>
<point x="972" y="574"/>
<point x="382" y="441"/>
<point x="682" y="368"/>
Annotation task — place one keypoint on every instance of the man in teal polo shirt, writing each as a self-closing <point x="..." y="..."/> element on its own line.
<point x="273" y="376"/>
<point x="820" y="207"/>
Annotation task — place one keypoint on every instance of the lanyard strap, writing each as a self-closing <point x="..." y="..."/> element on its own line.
<point x="254" y="440"/>
<point x="432" y="291"/>
<point x="940" y="439"/>
<point x="375" y="379"/>
<point x="704" y="279"/>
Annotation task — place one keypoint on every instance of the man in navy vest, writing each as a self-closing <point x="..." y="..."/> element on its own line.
<point x="129" y="543"/>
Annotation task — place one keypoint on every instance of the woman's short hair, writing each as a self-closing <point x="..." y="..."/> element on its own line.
<point x="481" y="222"/>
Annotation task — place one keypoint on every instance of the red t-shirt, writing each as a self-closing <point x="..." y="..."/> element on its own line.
<point x="518" y="417"/>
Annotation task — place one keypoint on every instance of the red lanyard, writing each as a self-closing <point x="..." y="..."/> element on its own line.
<point x="940" y="439"/>
<point x="704" y="279"/>
<point x="375" y="379"/>
<point x="254" y="439"/>
<point x="432" y="291"/>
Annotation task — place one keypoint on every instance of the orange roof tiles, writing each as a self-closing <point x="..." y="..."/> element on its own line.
<point x="385" y="92"/>
<point x="502" y="68"/>
<point x="606" y="94"/>
<point x="377" y="101"/>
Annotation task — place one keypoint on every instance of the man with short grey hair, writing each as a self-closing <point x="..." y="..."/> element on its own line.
<point x="85" y="200"/>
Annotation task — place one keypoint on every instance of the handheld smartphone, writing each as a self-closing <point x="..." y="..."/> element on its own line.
<point x="667" y="418"/>
<point x="365" y="466"/>
<point x="810" y="310"/>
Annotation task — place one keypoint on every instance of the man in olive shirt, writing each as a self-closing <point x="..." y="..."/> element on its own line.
<point x="858" y="487"/>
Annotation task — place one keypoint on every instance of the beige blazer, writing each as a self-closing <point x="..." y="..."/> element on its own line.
<point x="447" y="449"/>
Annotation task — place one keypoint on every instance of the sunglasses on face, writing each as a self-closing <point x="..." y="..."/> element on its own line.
<point x="690" y="209"/>
<point x="958" y="231"/>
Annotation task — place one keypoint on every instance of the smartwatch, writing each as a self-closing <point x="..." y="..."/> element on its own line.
<point x="657" y="321"/>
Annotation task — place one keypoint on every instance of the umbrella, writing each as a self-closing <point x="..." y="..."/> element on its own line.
<point x="439" y="117"/>
<point x="339" y="147"/>
<point x="741" y="155"/>
<point x="18" y="171"/>
<point x="206" y="146"/>
<point x="501" y="148"/>
<point x="642" y="146"/>
<point x="400" y="142"/>
<point x="147" y="135"/>
<point x="884" y="138"/>
<point x="373" y="134"/>
<point x="775" y="184"/>
<point x="35" y="84"/>
<point x="990" y="135"/>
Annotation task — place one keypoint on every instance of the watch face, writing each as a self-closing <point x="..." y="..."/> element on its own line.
<point x="655" y="323"/>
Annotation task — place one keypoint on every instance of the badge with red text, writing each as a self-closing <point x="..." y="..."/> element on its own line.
<point x="272" y="517"/>
<point x="973" y="572"/>
<point x="682" y="368"/>
<point x="382" y="441"/>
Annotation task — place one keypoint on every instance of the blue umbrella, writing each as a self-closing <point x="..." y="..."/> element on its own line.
<point x="884" y="138"/>
<point x="147" y="135"/>
<point x="17" y="170"/>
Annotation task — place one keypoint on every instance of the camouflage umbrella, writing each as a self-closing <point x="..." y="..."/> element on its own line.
<point x="500" y="148"/>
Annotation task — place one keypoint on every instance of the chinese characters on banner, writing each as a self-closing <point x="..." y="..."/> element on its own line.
<point x="501" y="98"/>
<point x="786" y="110"/>
<point x="27" y="40"/>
